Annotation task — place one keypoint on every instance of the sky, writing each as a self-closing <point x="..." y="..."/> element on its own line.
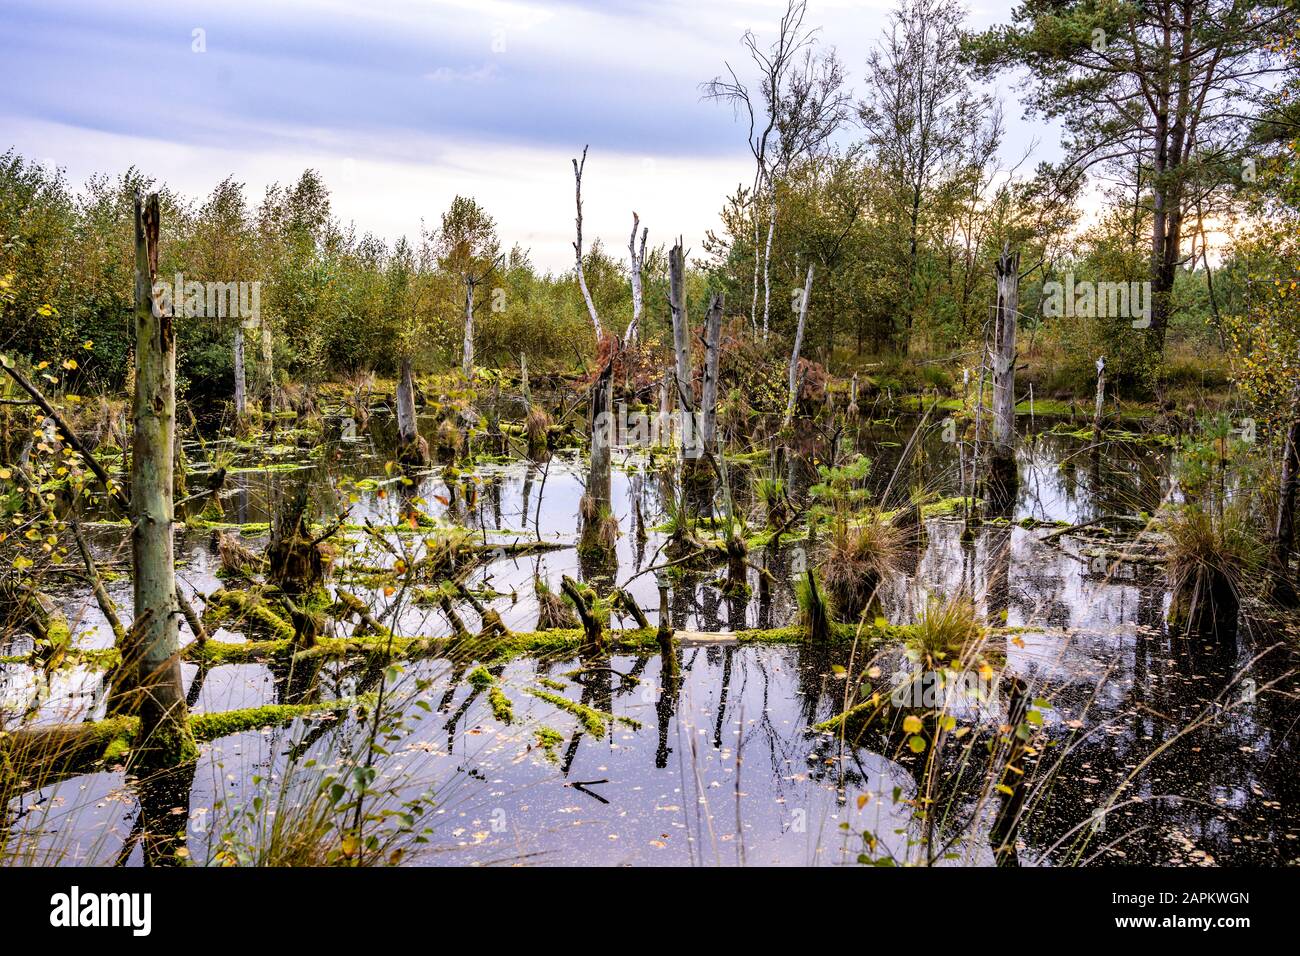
<point x="403" y="104"/>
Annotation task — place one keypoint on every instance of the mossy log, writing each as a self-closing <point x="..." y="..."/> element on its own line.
<point x="31" y="756"/>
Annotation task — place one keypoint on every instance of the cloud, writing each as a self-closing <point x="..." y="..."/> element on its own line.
<point x="404" y="103"/>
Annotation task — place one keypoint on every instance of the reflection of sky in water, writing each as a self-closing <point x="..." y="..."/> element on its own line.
<point x="1092" y="643"/>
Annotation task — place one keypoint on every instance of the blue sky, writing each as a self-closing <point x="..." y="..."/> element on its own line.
<point x="402" y="104"/>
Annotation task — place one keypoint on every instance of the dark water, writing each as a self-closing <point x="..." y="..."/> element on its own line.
<point x="1163" y="750"/>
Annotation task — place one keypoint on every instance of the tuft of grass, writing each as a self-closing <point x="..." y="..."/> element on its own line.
<point x="554" y="612"/>
<point x="947" y="631"/>
<point x="858" y="559"/>
<point x="816" y="614"/>
<point x="1210" y="558"/>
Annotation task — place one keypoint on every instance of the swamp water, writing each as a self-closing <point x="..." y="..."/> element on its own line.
<point x="1186" y="750"/>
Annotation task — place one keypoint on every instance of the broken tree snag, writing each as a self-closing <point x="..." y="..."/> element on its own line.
<point x="682" y="343"/>
<point x="599" y="526"/>
<point x="577" y="248"/>
<point x="664" y="635"/>
<point x="151" y="660"/>
<point x="296" y="562"/>
<point x="1281" y="587"/>
<point x="412" y="448"/>
<point x="1098" y="409"/>
<point x="537" y="424"/>
<point x="1002" y="456"/>
<point x="467" y="347"/>
<point x="592" y="631"/>
<point x="627" y="603"/>
<point x="709" y="386"/>
<point x="793" y="374"/>
<point x="241" y="380"/>
<point x="637" y="269"/>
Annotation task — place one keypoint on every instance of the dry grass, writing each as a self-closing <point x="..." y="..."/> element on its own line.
<point x="858" y="559"/>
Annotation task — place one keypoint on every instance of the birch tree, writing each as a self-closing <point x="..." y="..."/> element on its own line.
<point x="468" y="248"/>
<point x="927" y="126"/>
<point x="798" y="104"/>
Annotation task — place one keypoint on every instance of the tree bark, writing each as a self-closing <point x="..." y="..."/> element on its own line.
<point x="152" y="663"/>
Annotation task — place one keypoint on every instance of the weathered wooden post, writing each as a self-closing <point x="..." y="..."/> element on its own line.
<point x="151" y="661"/>
<point x="1003" y="476"/>
<point x="798" y="344"/>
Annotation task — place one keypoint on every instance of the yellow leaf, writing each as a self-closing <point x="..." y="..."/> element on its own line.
<point x="912" y="724"/>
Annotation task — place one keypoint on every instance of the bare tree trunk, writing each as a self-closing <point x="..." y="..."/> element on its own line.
<point x="467" y="351"/>
<point x="767" y="257"/>
<point x="1098" y="408"/>
<point x="1002" y="460"/>
<point x="665" y="410"/>
<point x="241" y="380"/>
<point x="1281" y="587"/>
<point x="793" y="383"/>
<point x="151" y="662"/>
<point x="709" y="386"/>
<point x="268" y="368"/>
<point x="599" y="527"/>
<point x="753" y="309"/>
<point x="577" y="247"/>
<point x="682" y="343"/>
<point x="638" y="266"/>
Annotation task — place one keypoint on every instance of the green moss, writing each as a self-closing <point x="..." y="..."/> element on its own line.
<point x="552" y="683"/>
<point x="215" y="726"/>
<point x="948" y="506"/>
<point x="479" y="678"/>
<point x="548" y="738"/>
<point x="501" y="707"/>
<point x="592" y="720"/>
